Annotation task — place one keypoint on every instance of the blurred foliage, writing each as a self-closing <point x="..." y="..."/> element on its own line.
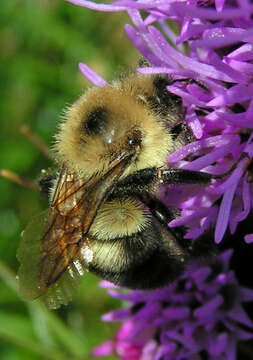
<point x="41" y="43"/>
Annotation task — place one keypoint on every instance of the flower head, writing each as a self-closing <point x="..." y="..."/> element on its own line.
<point x="215" y="48"/>
<point x="210" y="64"/>
<point x="201" y="313"/>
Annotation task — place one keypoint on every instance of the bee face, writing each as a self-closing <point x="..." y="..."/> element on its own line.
<point x="107" y="121"/>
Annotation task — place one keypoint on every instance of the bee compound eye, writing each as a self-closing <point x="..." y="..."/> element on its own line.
<point x="96" y="121"/>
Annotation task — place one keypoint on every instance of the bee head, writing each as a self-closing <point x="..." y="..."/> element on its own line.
<point x="105" y="123"/>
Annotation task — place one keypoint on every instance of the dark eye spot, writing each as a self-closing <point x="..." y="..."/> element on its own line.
<point x="96" y="121"/>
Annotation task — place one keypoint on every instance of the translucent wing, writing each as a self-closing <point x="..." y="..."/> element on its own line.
<point x="29" y="256"/>
<point x="50" y="245"/>
<point x="54" y="250"/>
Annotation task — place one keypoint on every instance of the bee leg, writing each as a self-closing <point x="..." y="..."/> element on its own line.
<point x="45" y="183"/>
<point x="190" y="81"/>
<point x="183" y="177"/>
<point x="143" y="179"/>
<point x="201" y="247"/>
<point x="163" y="215"/>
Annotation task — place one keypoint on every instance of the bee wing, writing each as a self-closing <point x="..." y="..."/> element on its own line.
<point x="34" y="268"/>
<point x="48" y="252"/>
<point x="28" y="255"/>
<point x="51" y="264"/>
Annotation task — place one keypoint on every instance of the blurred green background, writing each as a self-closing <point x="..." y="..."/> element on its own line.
<point x="41" y="43"/>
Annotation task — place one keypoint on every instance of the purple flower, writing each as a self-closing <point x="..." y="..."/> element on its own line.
<point x="200" y="316"/>
<point x="219" y="105"/>
<point x="201" y="313"/>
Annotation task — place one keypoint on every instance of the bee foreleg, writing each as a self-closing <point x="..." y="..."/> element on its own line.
<point x="183" y="177"/>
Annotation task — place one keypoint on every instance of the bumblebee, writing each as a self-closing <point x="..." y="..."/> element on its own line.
<point x="105" y="214"/>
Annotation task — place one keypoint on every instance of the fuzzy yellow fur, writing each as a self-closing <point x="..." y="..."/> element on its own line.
<point x="125" y="104"/>
<point x="119" y="218"/>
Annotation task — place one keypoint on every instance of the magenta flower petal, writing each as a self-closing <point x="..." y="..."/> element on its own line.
<point x="249" y="238"/>
<point x="219" y="345"/>
<point x="222" y="37"/>
<point x="91" y="75"/>
<point x="225" y="207"/>
<point x="196" y="313"/>
<point x="219" y="5"/>
<point x="196" y="146"/>
<point x="247" y="294"/>
<point x="209" y="14"/>
<point x="207" y="311"/>
<point x="107" y="284"/>
<point x="242" y="53"/>
<point x="201" y="314"/>
<point x="140" y="45"/>
<point x="119" y="314"/>
<point x="104" y="349"/>
<point x="95" y="6"/>
<point x="176" y="313"/>
<point x="231" y="96"/>
<point x="246" y="196"/>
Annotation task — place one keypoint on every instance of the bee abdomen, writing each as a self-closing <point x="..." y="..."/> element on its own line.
<point x="145" y="260"/>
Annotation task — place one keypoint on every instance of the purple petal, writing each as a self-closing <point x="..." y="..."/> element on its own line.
<point x="219" y="5"/>
<point x="211" y="14"/>
<point x="149" y="351"/>
<point x="231" y="350"/>
<point x="244" y="67"/>
<point x="239" y="315"/>
<point x="249" y="112"/>
<point x="194" y="147"/>
<point x="225" y="207"/>
<point x="221" y="37"/>
<point x="222" y="279"/>
<point x="107" y="284"/>
<point x="225" y="258"/>
<point x="232" y="95"/>
<point x="91" y="75"/>
<point x="246" y="197"/>
<point x="95" y="6"/>
<point x="209" y="309"/>
<point x="176" y="313"/>
<point x="185" y="61"/>
<point x="104" y="349"/>
<point x="210" y="158"/>
<point x="218" y="345"/>
<point x="243" y="53"/>
<point x="200" y="275"/>
<point x="186" y="219"/>
<point x="117" y="315"/>
<point x="188" y="98"/>
<point x="246" y="294"/>
<point x="248" y="238"/>
<point x="194" y="124"/>
<point x="140" y="45"/>
<point x="237" y="119"/>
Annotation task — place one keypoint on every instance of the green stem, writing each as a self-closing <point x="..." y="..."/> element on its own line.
<point x="64" y="335"/>
<point x="33" y="346"/>
<point x="8" y="276"/>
